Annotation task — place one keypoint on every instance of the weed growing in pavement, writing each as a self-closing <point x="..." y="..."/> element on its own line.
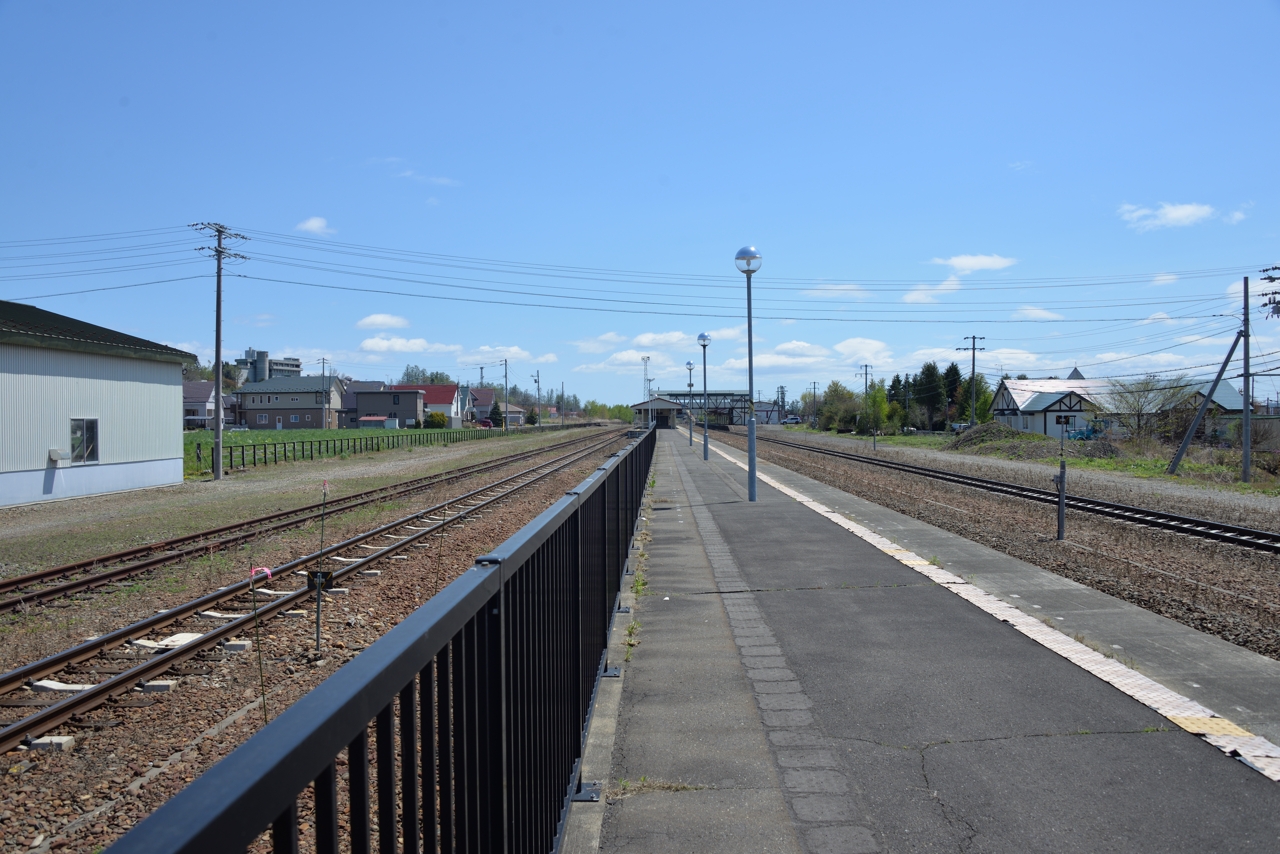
<point x="632" y="641"/>
<point x="626" y="788"/>
<point x="936" y="561"/>
<point x="1160" y="728"/>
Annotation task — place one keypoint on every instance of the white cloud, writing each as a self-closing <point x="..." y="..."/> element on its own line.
<point x="546" y="359"/>
<point x="772" y="360"/>
<point x="200" y="351"/>
<point x="663" y="339"/>
<point x="965" y="264"/>
<point x="1159" y="317"/>
<point x="802" y="348"/>
<point x="599" y="344"/>
<point x="382" y="321"/>
<point x="628" y="362"/>
<point x="1165" y="216"/>
<point x="787" y="322"/>
<point x="1019" y="165"/>
<point x="258" y="320"/>
<point x="837" y="292"/>
<point x="929" y="293"/>
<point x="864" y="351"/>
<point x="487" y="355"/>
<point x="316" y="225"/>
<point x="1233" y="217"/>
<point x="1031" y="312"/>
<point x="730" y="333"/>
<point x="429" y="179"/>
<point x="393" y="344"/>
<point x="1164" y="279"/>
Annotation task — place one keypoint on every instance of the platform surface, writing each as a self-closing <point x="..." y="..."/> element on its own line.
<point x="798" y="689"/>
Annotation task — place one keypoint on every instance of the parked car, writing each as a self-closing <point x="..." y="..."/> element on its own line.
<point x="485" y="423"/>
<point x="794" y="419"/>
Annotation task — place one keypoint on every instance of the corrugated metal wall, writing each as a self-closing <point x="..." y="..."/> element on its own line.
<point x="138" y="404"/>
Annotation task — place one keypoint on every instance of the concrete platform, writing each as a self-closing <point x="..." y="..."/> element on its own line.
<point x="797" y="688"/>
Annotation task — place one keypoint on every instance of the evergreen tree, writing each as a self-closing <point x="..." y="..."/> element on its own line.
<point x="953" y="377"/>
<point x="495" y="412"/>
<point x="930" y="391"/>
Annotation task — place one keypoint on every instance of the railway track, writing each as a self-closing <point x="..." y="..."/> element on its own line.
<point x="1249" y="538"/>
<point x="131" y="660"/>
<point x="97" y="571"/>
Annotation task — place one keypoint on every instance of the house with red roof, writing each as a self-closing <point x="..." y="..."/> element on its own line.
<point x="445" y="399"/>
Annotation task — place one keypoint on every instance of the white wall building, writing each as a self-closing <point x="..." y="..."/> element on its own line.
<point x="85" y="410"/>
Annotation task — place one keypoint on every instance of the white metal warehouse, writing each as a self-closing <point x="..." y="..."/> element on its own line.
<point x="86" y="410"/>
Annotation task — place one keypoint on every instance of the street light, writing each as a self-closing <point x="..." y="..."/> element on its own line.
<point x="704" y="339"/>
<point x="689" y="367"/>
<point x="748" y="261"/>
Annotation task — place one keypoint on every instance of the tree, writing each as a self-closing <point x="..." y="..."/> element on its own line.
<point x="414" y="375"/>
<point x="1140" y="406"/>
<point x="953" y="378"/>
<point x="839" y="407"/>
<point x="930" y="391"/>
<point x="436" y="420"/>
<point x="495" y="413"/>
<point x="964" y="399"/>
<point x="622" y="412"/>
<point x="531" y="417"/>
<point x="875" y="408"/>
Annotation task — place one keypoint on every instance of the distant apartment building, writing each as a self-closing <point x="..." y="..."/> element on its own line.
<point x="257" y="366"/>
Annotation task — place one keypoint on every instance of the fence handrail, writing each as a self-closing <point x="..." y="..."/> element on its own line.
<point x="235" y="800"/>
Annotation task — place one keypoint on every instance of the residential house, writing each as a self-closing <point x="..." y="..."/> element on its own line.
<point x="482" y="402"/>
<point x="92" y="410"/>
<point x="440" y="398"/>
<point x="292" y="403"/>
<point x="404" y="406"/>
<point x="1053" y="407"/>
<point x="349" y="415"/>
<point x="514" y="414"/>
<point x="198" y="404"/>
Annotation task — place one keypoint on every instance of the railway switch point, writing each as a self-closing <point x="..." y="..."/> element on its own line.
<point x="53" y="685"/>
<point x="159" y="686"/>
<point x="237" y="645"/>
<point x="53" y="742"/>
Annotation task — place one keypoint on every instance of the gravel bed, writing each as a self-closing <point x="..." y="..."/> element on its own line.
<point x="1217" y="588"/>
<point x="57" y="532"/>
<point x="41" y="631"/>
<point x="1188" y="498"/>
<point x="128" y="761"/>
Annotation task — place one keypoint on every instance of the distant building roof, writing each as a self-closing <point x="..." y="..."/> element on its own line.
<point x="484" y="397"/>
<point x="657" y="403"/>
<point x="510" y="408"/>
<point x="197" y="391"/>
<point x="1037" y="395"/>
<point x="349" y="394"/>
<point x="436" y="394"/>
<point x="28" y="326"/>
<point x="290" y="385"/>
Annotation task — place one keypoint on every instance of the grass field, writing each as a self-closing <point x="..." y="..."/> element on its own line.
<point x="234" y="439"/>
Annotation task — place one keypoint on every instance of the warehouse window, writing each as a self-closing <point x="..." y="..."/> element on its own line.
<point x="84" y="440"/>
<point x="294" y="399"/>
<point x="262" y="418"/>
<point x="293" y="419"/>
<point x="395" y="398"/>
<point x="308" y="417"/>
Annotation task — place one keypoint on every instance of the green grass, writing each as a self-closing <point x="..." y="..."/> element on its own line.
<point x="235" y="439"/>
<point x="899" y="441"/>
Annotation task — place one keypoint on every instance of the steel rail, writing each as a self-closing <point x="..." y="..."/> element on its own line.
<point x="1250" y="538"/>
<point x="33" y="726"/>
<point x="250" y="528"/>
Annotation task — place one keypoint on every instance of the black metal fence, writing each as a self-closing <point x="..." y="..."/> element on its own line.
<point x="461" y="730"/>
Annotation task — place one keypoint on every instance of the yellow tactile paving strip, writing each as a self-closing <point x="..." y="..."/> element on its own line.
<point x="1228" y="737"/>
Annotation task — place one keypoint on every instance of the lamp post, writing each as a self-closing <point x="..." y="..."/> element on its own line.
<point x="704" y="339"/>
<point x="689" y="367"/>
<point x="748" y="262"/>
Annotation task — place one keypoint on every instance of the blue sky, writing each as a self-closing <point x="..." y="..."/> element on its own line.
<point x="1079" y="184"/>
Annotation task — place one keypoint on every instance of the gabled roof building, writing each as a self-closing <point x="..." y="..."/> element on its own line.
<point x="92" y="410"/>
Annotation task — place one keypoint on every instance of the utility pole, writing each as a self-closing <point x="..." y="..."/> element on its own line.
<point x="324" y="408"/>
<point x="1245" y="436"/>
<point x="645" y="359"/>
<point x="561" y="403"/>
<point x="506" y="401"/>
<point x="782" y="402"/>
<point x="219" y="252"/>
<point x="537" y="380"/>
<point x="815" y="404"/>
<point x="973" y="349"/>
<point x="866" y="376"/>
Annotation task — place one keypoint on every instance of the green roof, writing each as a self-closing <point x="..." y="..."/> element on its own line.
<point x="28" y="326"/>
